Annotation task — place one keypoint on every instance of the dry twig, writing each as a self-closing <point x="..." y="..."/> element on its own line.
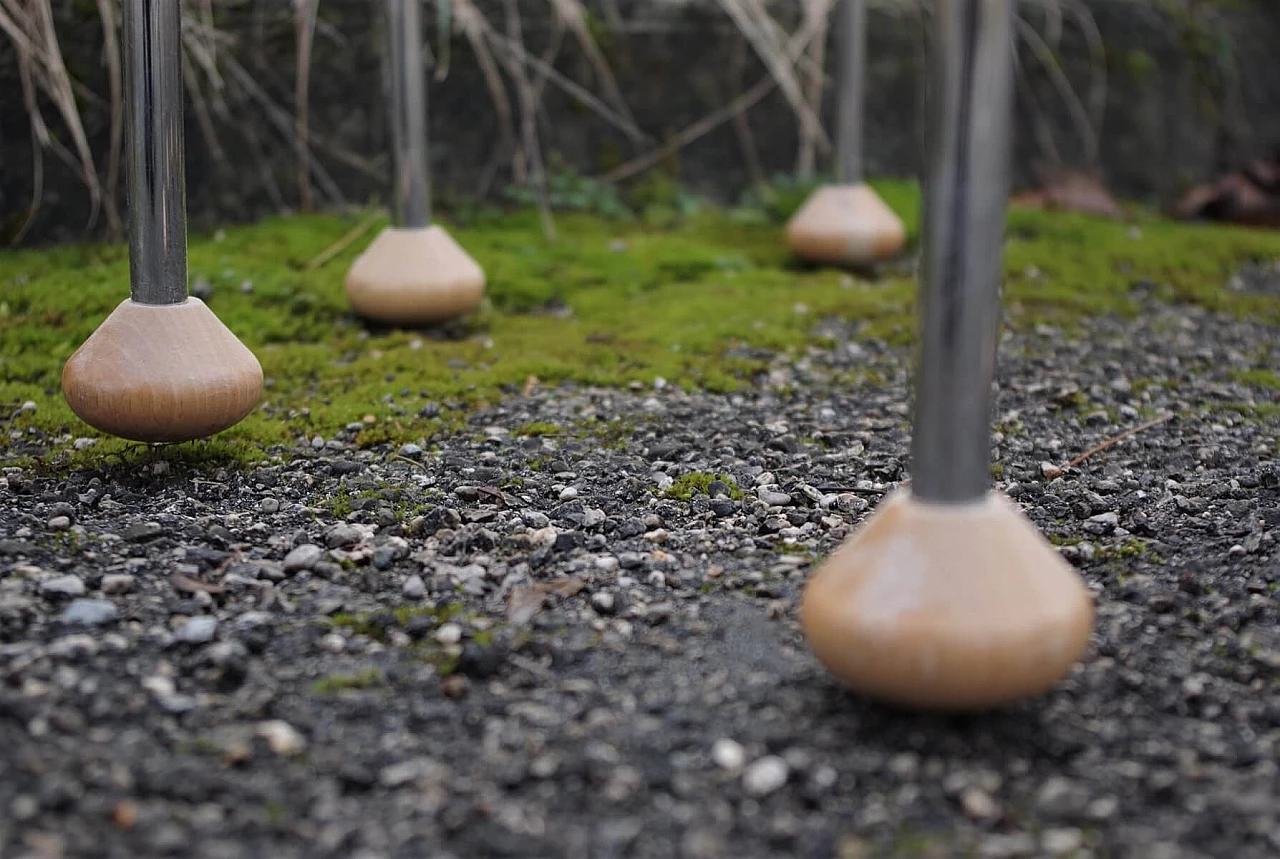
<point x="1050" y="472"/>
<point x="343" y="243"/>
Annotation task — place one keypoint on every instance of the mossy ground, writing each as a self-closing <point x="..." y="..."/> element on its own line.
<point x="674" y="292"/>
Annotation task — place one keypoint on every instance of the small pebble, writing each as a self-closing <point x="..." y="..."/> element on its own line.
<point x="302" y="557"/>
<point x="978" y="804"/>
<point x="282" y="738"/>
<point x="117" y="583"/>
<point x="197" y="630"/>
<point x="765" y="776"/>
<point x="773" y="498"/>
<point x="89" y="612"/>
<point x="414" y="588"/>
<point x="534" y="519"/>
<point x="449" y="633"/>
<point x="728" y="754"/>
<point x="333" y="643"/>
<point x="62" y="586"/>
<point x="1059" y="842"/>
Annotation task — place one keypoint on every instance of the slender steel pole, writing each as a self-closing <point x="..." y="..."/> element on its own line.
<point x="411" y="195"/>
<point x="966" y="195"/>
<point x="853" y="62"/>
<point x="157" y="191"/>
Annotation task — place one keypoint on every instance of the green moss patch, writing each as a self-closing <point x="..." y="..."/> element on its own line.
<point x="615" y="300"/>
<point x="699" y="483"/>
<point x="334" y="684"/>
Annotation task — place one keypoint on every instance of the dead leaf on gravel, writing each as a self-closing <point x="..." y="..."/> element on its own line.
<point x="1070" y="191"/>
<point x="188" y="585"/>
<point x="1249" y="196"/>
<point x="524" y="604"/>
<point x="527" y="600"/>
<point x="566" y="587"/>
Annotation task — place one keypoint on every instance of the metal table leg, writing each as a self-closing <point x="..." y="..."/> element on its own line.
<point x="413" y="273"/>
<point x="847" y="224"/>
<point x="948" y="597"/>
<point x="161" y="367"/>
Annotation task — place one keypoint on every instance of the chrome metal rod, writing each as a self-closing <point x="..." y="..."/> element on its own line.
<point x="966" y="194"/>
<point x="853" y="63"/>
<point x="411" y="196"/>
<point x="157" y="187"/>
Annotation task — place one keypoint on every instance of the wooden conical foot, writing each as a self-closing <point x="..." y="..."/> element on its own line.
<point x="414" y="277"/>
<point x="951" y="607"/>
<point x="845" y="225"/>
<point x="162" y="373"/>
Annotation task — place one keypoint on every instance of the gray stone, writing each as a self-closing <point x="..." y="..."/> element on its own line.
<point x="62" y="586"/>
<point x="534" y="519"/>
<point x="303" y="557"/>
<point x="197" y="630"/>
<point x="414" y="588"/>
<point x="140" y="532"/>
<point x="774" y="498"/>
<point x="89" y="612"/>
<point x="341" y="535"/>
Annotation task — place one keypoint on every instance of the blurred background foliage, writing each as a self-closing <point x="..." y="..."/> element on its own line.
<point x="606" y="105"/>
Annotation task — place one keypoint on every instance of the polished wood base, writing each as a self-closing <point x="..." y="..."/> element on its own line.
<point x="950" y="607"/>
<point x="412" y="277"/>
<point x="845" y="225"/>
<point x="162" y="373"/>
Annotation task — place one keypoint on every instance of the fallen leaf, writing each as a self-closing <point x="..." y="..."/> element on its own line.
<point x="565" y="587"/>
<point x="524" y="604"/>
<point x="1233" y="199"/>
<point x="125" y="814"/>
<point x="1070" y="191"/>
<point x="527" y="600"/>
<point x="188" y="585"/>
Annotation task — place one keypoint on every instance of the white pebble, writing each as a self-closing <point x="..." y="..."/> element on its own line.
<point x="282" y="738"/>
<point x="1058" y="842"/>
<point x="449" y="633"/>
<point x="333" y="643"/>
<point x="198" y="630"/>
<point x="765" y="776"/>
<point x="728" y="754"/>
<point x="978" y="804"/>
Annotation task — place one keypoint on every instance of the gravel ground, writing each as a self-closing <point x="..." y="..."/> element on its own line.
<point x="518" y="645"/>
